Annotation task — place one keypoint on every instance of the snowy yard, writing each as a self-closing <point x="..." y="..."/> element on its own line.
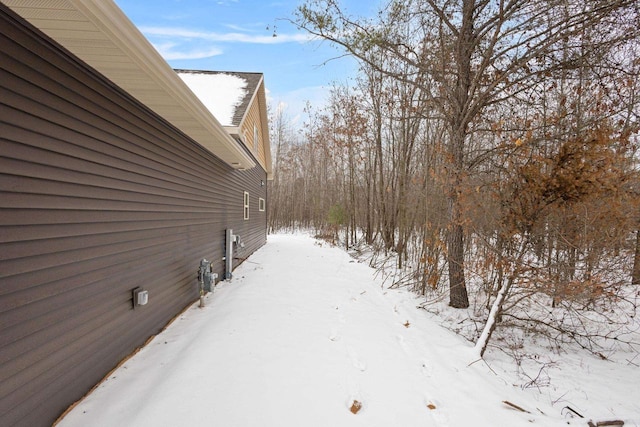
<point x="303" y="330"/>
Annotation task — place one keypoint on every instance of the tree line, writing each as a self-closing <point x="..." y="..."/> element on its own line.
<point x="491" y="147"/>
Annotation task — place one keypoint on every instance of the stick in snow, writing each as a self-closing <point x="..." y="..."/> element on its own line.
<point x="573" y="410"/>
<point x="612" y="423"/>
<point x="513" y="405"/>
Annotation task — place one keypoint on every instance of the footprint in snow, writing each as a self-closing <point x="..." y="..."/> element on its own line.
<point x="403" y="345"/>
<point x="425" y="366"/>
<point x="357" y="363"/>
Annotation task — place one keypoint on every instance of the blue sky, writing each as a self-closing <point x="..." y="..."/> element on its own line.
<point x="237" y="35"/>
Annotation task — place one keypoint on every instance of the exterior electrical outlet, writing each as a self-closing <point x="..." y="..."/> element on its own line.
<point x="143" y="297"/>
<point x="139" y="297"/>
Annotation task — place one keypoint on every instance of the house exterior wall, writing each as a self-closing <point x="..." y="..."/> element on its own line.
<point x="253" y="119"/>
<point x="98" y="195"/>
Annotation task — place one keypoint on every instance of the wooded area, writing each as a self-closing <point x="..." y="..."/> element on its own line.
<point x="490" y="147"/>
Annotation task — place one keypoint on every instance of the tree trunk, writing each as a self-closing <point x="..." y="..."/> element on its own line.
<point x="458" y="297"/>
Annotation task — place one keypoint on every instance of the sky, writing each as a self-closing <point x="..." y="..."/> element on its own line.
<point x="238" y="35"/>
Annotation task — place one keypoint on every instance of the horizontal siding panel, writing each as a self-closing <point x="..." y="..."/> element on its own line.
<point x="46" y="201"/>
<point x="39" y="276"/>
<point x="22" y="357"/>
<point x="98" y="195"/>
<point x="70" y="170"/>
<point x="56" y="230"/>
<point x="59" y="151"/>
<point x="87" y="289"/>
<point x="79" y="360"/>
<point x="95" y="362"/>
<point x="62" y="218"/>
<point x="73" y="95"/>
<point x="75" y="169"/>
<point x="74" y="250"/>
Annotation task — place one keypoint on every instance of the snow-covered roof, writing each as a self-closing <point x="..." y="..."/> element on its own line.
<point x="226" y="94"/>
<point x="229" y="95"/>
<point x="221" y="93"/>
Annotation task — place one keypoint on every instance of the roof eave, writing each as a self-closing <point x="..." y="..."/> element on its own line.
<point x="164" y="92"/>
<point x="232" y="130"/>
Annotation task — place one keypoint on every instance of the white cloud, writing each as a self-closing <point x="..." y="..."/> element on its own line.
<point x="169" y="51"/>
<point x="236" y="27"/>
<point x="224" y="37"/>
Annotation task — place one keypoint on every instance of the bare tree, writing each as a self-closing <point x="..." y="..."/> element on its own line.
<point x="481" y="53"/>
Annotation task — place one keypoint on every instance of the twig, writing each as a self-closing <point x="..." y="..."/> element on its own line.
<point x="611" y="423"/>
<point x="513" y="405"/>
<point x="573" y="410"/>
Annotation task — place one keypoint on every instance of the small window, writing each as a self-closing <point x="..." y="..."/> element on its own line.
<point x="261" y="204"/>
<point x="255" y="138"/>
<point x="246" y="205"/>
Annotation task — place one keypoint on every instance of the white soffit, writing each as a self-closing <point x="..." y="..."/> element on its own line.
<point x="100" y="34"/>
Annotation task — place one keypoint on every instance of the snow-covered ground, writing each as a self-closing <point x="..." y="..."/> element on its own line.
<point x="303" y="330"/>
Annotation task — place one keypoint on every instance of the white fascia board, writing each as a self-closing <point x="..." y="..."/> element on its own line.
<point x="232" y="130"/>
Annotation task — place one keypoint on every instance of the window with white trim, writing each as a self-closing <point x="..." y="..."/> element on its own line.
<point x="261" y="204"/>
<point x="246" y="205"/>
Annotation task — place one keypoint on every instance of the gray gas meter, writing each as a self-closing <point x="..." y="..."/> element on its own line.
<point x="206" y="276"/>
